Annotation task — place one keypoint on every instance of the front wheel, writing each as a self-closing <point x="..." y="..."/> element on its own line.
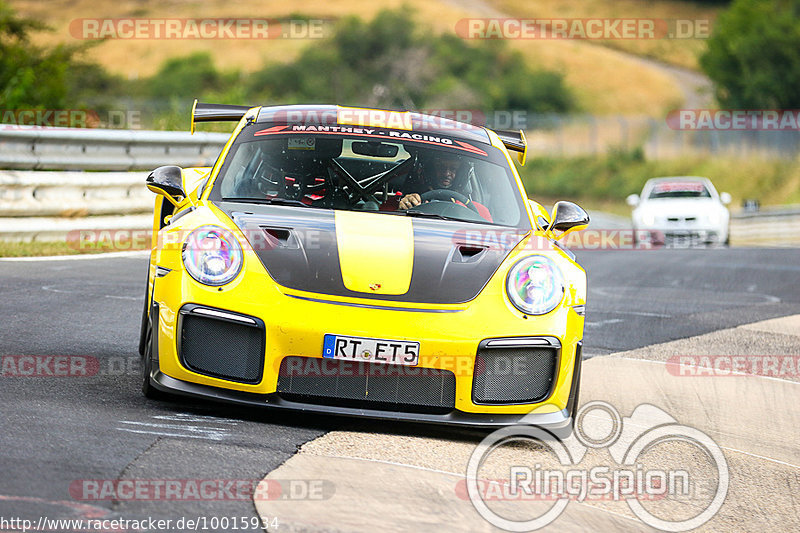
<point x="147" y="365"/>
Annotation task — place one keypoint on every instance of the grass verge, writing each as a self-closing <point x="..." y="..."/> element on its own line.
<point x="45" y="248"/>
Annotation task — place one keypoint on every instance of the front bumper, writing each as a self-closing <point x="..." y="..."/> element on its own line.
<point x="553" y="421"/>
<point x="295" y="322"/>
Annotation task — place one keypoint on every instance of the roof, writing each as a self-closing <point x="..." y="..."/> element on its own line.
<point x="678" y="178"/>
<point x="332" y="115"/>
<point x="331" y="118"/>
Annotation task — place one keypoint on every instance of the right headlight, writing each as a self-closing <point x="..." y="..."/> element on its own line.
<point x="212" y="255"/>
<point x="535" y="285"/>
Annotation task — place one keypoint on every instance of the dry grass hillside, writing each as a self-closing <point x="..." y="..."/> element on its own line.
<point x="678" y="52"/>
<point x="604" y="80"/>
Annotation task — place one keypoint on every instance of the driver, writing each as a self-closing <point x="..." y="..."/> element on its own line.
<point x="444" y="175"/>
<point x="444" y="169"/>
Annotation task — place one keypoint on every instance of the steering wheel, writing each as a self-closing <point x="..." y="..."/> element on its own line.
<point x="445" y="195"/>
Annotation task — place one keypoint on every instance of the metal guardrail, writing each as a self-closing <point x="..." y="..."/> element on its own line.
<point x="48" y="205"/>
<point x="36" y="205"/>
<point x="37" y="148"/>
<point x="51" y="206"/>
<point x="771" y="211"/>
<point x="26" y="193"/>
<point x="770" y="226"/>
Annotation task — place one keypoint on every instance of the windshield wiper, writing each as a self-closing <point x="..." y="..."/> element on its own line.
<point x="268" y="201"/>
<point x="423" y="214"/>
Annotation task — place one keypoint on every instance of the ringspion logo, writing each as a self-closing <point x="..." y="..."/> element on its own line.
<point x="558" y="477"/>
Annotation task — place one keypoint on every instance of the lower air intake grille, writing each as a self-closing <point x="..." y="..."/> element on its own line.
<point x="222" y="348"/>
<point x="367" y="385"/>
<point x="514" y="374"/>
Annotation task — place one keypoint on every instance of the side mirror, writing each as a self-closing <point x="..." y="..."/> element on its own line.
<point x="632" y="200"/>
<point x="568" y="217"/>
<point x="167" y="181"/>
<point x="725" y="198"/>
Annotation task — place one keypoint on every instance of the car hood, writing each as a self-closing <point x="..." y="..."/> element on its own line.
<point x="370" y="255"/>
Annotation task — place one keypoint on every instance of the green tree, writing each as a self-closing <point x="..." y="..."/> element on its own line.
<point x="33" y="77"/>
<point x="753" y="55"/>
<point x="29" y="76"/>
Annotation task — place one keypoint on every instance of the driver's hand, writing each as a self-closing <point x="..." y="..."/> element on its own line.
<point x="410" y="200"/>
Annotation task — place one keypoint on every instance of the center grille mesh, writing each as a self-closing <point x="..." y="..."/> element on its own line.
<point x="366" y="385"/>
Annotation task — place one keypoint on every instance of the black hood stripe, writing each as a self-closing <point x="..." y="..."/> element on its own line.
<point x="298" y="248"/>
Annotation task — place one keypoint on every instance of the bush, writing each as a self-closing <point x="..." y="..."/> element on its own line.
<point x="390" y="63"/>
<point x="185" y="77"/>
<point x="30" y="77"/>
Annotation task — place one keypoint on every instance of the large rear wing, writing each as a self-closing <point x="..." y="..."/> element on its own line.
<point x="515" y="141"/>
<point x="217" y="113"/>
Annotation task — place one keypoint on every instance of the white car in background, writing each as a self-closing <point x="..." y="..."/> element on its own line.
<point x="681" y="211"/>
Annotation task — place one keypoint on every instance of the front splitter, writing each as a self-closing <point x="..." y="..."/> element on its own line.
<point x="557" y="421"/>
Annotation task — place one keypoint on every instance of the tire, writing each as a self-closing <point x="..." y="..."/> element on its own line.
<point x="144" y="323"/>
<point x="147" y="365"/>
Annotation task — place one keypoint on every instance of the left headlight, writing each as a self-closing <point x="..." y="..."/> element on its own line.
<point x="212" y="255"/>
<point x="648" y="218"/>
<point x="535" y="285"/>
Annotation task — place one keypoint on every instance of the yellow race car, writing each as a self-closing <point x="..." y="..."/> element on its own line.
<point x="363" y="262"/>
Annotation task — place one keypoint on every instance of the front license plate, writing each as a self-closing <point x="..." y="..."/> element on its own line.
<point x="371" y="350"/>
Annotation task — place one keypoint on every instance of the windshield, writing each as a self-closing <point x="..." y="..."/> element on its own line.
<point x="679" y="189"/>
<point x="361" y="173"/>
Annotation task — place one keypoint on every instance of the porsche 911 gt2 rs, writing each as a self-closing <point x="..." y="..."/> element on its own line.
<point x="363" y="262"/>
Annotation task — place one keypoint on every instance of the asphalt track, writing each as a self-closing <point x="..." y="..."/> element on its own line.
<point x="57" y="431"/>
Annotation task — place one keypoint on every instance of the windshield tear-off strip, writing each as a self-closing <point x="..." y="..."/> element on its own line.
<point x="471" y="149"/>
